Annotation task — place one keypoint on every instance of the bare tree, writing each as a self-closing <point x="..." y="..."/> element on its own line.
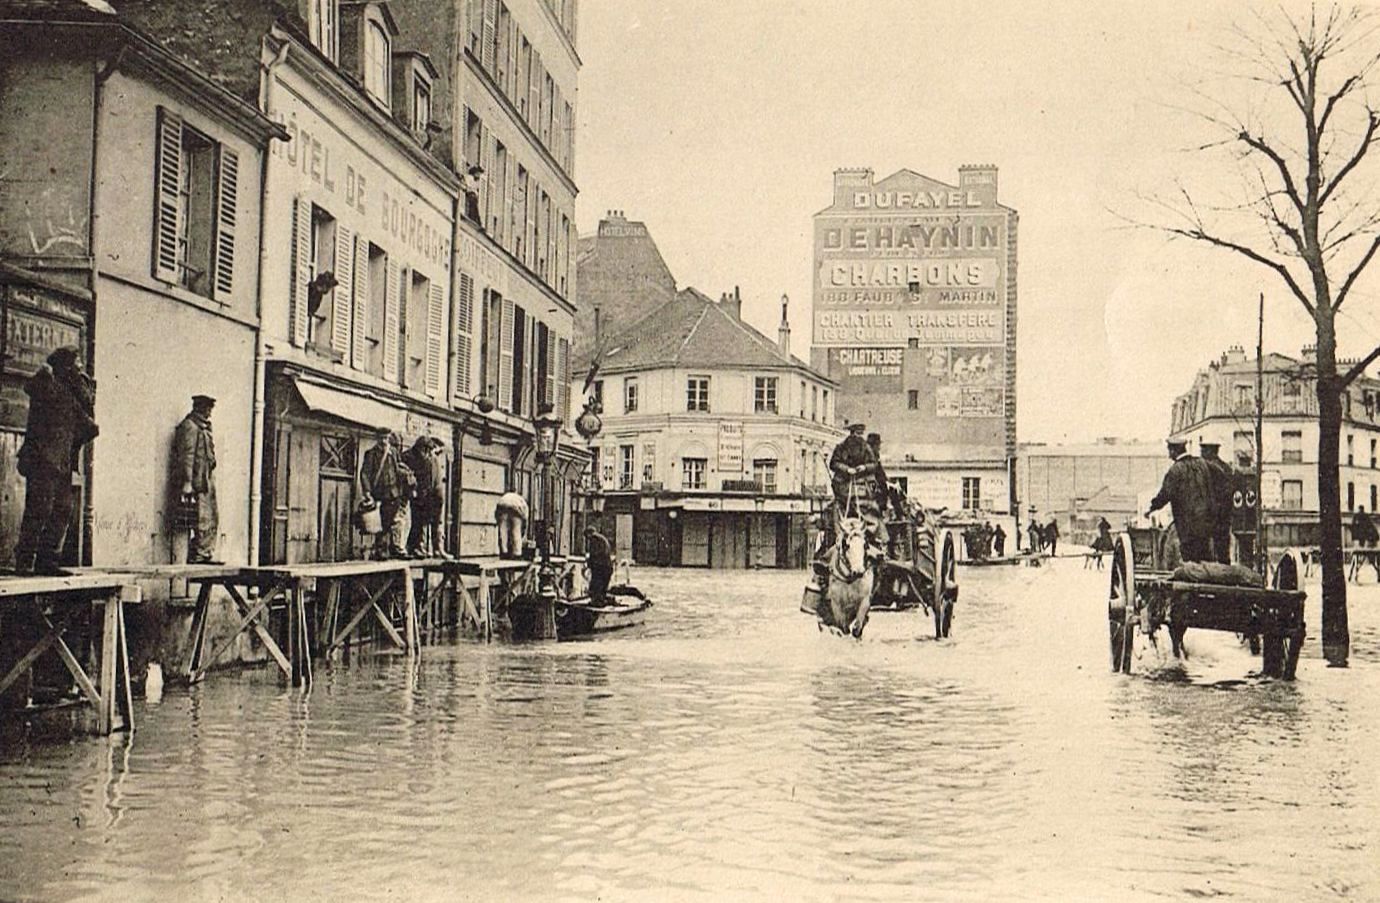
<point x="1300" y="138"/>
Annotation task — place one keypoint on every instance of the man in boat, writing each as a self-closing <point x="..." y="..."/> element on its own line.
<point x="1223" y="488"/>
<point x="599" y="560"/>
<point x="1187" y="490"/>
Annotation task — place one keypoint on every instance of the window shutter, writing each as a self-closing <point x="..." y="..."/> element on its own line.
<point x="505" y="357"/>
<point x="227" y="191"/>
<point x="301" y="269"/>
<point x="534" y="89"/>
<point x="464" y="330"/>
<point x="360" y="351"/>
<point x="167" y="213"/>
<point x="343" y="299"/>
<point x="435" y="338"/>
<point x="486" y="47"/>
<point x="563" y="374"/>
<point x="390" y="321"/>
<point x="548" y="391"/>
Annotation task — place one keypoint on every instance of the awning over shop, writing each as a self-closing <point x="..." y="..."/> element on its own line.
<point x="358" y="409"/>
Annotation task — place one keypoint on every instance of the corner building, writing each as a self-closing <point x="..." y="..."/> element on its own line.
<point x="915" y="319"/>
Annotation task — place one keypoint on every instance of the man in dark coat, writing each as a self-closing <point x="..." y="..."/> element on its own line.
<point x="194" y="467"/>
<point x="1052" y="535"/>
<point x="1363" y="531"/>
<point x="599" y="560"/>
<point x="1187" y="489"/>
<point x="1223" y="488"/>
<point x="386" y="480"/>
<point x="884" y="495"/>
<point x="427" y="461"/>
<point x="999" y="540"/>
<point x="851" y="458"/>
<point x="62" y="406"/>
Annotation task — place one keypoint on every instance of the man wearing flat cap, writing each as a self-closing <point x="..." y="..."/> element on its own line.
<point x="194" y="469"/>
<point x="1187" y="489"/>
<point x="62" y="405"/>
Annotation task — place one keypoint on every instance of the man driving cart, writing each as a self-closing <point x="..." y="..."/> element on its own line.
<point x="853" y="467"/>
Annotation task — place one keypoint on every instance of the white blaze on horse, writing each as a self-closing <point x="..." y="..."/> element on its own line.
<point x="848" y="594"/>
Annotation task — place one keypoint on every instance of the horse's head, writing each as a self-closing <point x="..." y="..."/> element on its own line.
<point x="852" y="548"/>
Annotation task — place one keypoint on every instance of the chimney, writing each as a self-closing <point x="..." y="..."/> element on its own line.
<point x="1234" y="355"/>
<point x="1309" y="354"/>
<point x="783" y="332"/>
<point x="979" y="179"/>
<point x="733" y="304"/>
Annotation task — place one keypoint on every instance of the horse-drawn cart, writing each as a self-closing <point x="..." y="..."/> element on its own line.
<point x="918" y="568"/>
<point x="1148" y="592"/>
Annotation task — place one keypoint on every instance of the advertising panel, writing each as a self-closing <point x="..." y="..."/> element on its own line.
<point x="910" y="308"/>
<point x="730" y="447"/>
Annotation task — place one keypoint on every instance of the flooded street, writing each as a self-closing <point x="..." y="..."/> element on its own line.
<point x="725" y="750"/>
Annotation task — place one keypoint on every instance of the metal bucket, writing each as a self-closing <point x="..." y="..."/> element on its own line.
<point x="810" y="601"/>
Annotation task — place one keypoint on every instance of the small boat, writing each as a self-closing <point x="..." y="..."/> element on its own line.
<point x="623" y="606"/>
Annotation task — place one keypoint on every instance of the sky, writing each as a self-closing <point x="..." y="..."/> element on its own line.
<point x="719" y="123"/>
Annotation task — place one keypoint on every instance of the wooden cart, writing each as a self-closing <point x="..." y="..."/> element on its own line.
<point x="1144" y="597"/>
<point x="920" y="569"/>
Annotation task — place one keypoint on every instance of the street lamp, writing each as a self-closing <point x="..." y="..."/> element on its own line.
<point x="547" y="429"/>
<point x="759" y="503"/>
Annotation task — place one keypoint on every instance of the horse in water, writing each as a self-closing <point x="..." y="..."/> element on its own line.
<point x="849" y="592"/>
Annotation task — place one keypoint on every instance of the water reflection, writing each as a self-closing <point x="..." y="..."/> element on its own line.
<point x="726" y="750"/>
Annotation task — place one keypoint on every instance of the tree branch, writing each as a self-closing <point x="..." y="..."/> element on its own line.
<point x="1260" y="145"/>
<point x="1351" y="279"/>
<point x="1372" y="124"/>
<point x="1197" y="234"/>
<point x="1350" y="376"/>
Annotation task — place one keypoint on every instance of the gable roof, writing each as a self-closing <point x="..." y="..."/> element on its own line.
<point x="691" y="330"/>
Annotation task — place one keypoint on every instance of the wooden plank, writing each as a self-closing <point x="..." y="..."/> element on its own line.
<point x="19" y="587"/>
<point x="79" y="675"/>
<point x="414" y="637"/>
<point x="110" y="639"/>
<point x="197" y="643"/>
<point x="387" y="626"/>
<point x="21" y="666"/>
<point x="124" y="668"/>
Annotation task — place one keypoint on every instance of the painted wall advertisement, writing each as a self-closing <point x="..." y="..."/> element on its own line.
<point x="730" y="447"/>
<point x="910" y="308"/>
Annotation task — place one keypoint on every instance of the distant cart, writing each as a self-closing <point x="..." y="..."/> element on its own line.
<point x="1144" y="596"/>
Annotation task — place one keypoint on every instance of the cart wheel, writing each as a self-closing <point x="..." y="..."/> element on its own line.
<point x="945" y="586"/>
<point x="1121" y="603"/>
<point x="1280" y="654"/>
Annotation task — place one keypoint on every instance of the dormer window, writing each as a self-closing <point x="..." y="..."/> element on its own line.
<point x="325" y="28"/>
<point x="421" y="104"/>
<point x="378" y="62"/>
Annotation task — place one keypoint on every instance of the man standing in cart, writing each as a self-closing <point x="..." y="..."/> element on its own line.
<point x="1223" y="488"/>
<point x="1187" y="489"/>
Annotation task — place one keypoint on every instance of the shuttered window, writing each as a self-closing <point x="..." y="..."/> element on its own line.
<point x="464" y="332"/>
<point x="391" y="297"/>
<point x="505" y="357"/>
<point x="301" y="270"/>
<point x="435" y="339"/>
<point x="196" y="193"/>
<point x="359" y="344"/>
<point x="343" y="314"/>
<point x="563" y="375"/>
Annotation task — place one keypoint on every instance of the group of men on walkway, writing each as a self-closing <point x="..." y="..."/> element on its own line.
<point x="408" y="490"/>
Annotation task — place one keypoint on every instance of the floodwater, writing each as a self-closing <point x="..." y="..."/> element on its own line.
<point x="726" y="750"/>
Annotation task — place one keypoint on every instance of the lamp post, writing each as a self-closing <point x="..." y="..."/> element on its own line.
<point x="759" y="503"/>
<point x="547" y="428"/>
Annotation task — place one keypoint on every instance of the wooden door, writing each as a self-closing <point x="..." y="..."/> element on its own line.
<point x="302" y="495"/>
<point x="336" y="498"/>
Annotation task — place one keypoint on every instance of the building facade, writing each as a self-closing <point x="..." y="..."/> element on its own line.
<point x="715" y="442"/>
<point x="1220" y="407"/>
<point x="1077" y="485"/>
<point x="915" y="318"/>
<point x="138" y="243"/>
<point x="622" y="278"/>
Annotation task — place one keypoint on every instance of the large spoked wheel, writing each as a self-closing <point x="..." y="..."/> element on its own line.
<point x="945" y="587"/>
<point x="1280" y="652"/>
<point x="1121" y="604"/>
